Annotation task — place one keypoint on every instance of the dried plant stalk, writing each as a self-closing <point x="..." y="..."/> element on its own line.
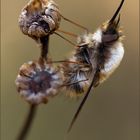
<point x="28" y="123"/>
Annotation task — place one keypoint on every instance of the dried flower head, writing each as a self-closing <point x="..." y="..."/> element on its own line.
<point x="37" y="81"/>
<point x="39" y="18"/>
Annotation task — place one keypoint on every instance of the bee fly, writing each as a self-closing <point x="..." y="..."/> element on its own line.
<point x="96" y="57"/>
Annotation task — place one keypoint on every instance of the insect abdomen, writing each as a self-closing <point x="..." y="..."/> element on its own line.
<point x="116" y="54"/>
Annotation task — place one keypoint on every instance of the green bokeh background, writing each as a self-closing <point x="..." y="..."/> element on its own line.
<point x="110" y="113"/>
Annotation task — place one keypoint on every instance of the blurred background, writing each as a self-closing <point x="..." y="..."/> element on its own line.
<point x="111" y="111"/>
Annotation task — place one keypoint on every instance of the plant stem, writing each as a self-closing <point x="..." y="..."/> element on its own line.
<point x="28" y="122"/>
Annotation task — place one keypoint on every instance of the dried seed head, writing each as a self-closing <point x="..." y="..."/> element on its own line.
<point x="37" y="81"/>
<point x="39" y="18"/>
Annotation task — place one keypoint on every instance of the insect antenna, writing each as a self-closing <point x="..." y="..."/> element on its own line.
<point x="81" y="105"/>
<point x="117" y="12"/>
<point x="78" y="25"/>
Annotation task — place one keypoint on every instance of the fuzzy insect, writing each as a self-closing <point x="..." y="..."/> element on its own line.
<point x="96" y="57"/>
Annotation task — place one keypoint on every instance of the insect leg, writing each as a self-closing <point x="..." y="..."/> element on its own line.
<point x="74" y="83"/>
<point x="67" y="61"/>
<point x="78" y="25"/>
<point x="65" y="39"/>
<point x="68" y="33"/>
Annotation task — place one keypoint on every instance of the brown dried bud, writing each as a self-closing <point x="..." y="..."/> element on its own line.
<point x="37" y="81"/>
<point x="39" y="18"/>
